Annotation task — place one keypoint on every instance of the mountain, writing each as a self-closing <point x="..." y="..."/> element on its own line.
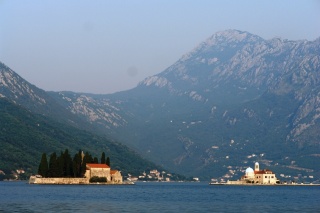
<point x="21" y="92"/>
<point x="25" y="136"/>
<point x="32" y="122"/>
<point x="234" y="99"/>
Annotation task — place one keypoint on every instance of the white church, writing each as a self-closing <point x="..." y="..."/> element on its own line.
<point x="257" y="176"/>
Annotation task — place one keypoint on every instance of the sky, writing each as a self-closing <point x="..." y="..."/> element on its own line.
<point x="104" y="46"/>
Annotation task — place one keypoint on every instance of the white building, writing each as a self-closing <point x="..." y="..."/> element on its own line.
<point x="257" y="176"/>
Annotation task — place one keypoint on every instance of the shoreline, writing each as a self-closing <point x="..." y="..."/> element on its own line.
<point x="228" y="184"/>
<point x="72" y="181"/>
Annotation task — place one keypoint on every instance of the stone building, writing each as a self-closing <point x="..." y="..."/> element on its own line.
<point x="97" y="170"/>
<point x="256" y="176"/>
<point x="116" y="176"/>
<point x="103" y="170"/>
<point x="265" y="176"/>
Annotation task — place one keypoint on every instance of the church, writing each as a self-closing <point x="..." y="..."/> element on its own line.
<point x="256" y="176"/>
<point x="103" y="170"/>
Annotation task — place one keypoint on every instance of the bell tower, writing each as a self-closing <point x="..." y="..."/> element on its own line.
<point x="256" y="167"/>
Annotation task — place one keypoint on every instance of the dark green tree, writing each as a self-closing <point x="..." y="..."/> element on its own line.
<point x="60" y="163"/>
<point x="83" y="168"/>
<point x="53" y="166"/>
<point x="67" y="164"/>
<point x="108" y="161"/>
<point x="89" y="158"/>
<point x="43" y="166"/>
<point x="86" y="159"/>
<point x="77" y="164"/>
<point x="95" y="160"/>
<point x="81" y="156"/>
<point x="103" y="158"/>
<point x="96" y="179"/>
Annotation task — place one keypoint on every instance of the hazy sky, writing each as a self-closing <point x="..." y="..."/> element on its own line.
<point x="101" y="46"/>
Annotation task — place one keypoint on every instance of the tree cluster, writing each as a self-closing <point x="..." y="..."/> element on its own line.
<point x="96" y="179"/>
<point x="65" y="166"/>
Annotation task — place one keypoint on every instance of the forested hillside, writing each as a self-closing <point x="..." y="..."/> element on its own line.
<point x="25" y="136"/>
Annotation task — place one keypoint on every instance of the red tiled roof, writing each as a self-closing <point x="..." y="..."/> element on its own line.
<point x="97" y="165"/>
<point x="265" y="171"/>
<point x="113" y="171"/>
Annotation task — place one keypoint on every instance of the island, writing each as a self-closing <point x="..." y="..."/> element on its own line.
<point x="256" y="176"/>
<point x="83" y="169"/>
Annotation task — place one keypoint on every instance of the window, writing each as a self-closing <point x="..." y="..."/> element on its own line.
<point x="266" y="176"/>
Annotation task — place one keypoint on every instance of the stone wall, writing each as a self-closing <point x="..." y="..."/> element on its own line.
<point x="69" y="181"/>
<point x="236" y="182"/>
<point x="36" y="180"/>
<point x="100" y="172"/>
<point x="116" y="177"/>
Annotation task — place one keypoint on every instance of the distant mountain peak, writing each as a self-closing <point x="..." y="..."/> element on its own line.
<point x="231" y="36"/>
<point x="211" y="52"/>
<point x="234" y="55"/>
<point x="221" y="38"/>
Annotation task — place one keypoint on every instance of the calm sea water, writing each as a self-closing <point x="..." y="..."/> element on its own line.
<point x="157" y="197"/>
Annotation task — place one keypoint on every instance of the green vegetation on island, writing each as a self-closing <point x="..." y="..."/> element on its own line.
<point x="66" y="166"/>
<point x="96" y="179"/>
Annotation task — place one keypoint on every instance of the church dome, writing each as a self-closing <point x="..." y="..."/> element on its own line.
<point x="249" y="172"/>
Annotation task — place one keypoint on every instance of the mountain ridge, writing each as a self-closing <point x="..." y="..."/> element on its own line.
<point x="233" y="96"/>
<point x="245" y="72"/>
<point x="32" y="122"/>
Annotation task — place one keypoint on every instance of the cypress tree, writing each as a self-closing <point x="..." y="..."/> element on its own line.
<point x="89" y="158"/>
<point x="53" y="166"/>
<point x="43" y="166"/>
<point x="108" y="161"/>
<point x="67" y="164"/>
<point x="86" y="159"/>
<point x="76" y="165"/>
<point x="60" y="162"/>
<point x="95" y="160"/>
<point x="103" y="158"/>
<point x="81" y="156"/>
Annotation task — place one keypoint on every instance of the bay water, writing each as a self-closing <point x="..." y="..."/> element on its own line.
<point x="157" y="197"/>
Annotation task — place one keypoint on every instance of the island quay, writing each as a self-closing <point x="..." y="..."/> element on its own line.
<point x="259" y="177"/>
<point x="94" y="173"/>
<point x="256" y="176"/>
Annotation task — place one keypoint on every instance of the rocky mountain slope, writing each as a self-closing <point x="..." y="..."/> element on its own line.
<point x="21" y="92"/>
<point x="234" y="99"/>
<point x="235" y="95"/>
<point x="31" y="122"/>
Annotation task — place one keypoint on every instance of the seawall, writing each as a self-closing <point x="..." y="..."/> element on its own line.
<point x="70" y="181"/>
<point x="37" y="180"/>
